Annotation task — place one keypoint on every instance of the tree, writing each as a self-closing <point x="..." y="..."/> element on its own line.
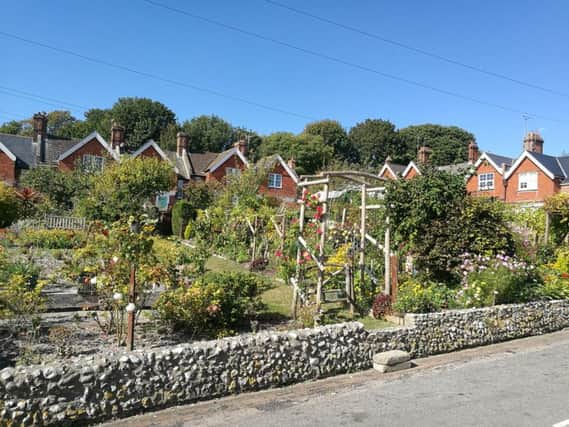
<point x="309" y="151"/>
<point x="142" y="119"/>
<point x="62" y="189"/>
<point x="334" y="135"/>
<point x="168" y="136"/>
<point x="9" y="205"/>
<point x="208" y="133"/>
<point x="123" y="188"/>
<point x="12" y="127"/>
<point x="449" y="143"/>
<point x="60" y="123"/>
<point x="375" y="139"/>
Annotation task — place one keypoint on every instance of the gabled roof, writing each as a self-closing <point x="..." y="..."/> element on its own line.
<point x="20" y="147"/>
<point x="564" y="164"/>
<point x="270" y="161"/>
<point x="55" y="147"/>
<point x="153" y="144"/>
<point x="87" y="139"/>
<point x="224" y="156"/>
<point x="200" y="161"/>
<point x="549" y="165"/>
<point x="411" y="165"/>
<point x="395" y="169"/>
<point x="6" y="151"/>
<point x="495" y="160"/>
<point x="456" y="168"/>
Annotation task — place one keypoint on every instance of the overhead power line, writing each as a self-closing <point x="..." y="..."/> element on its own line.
<point x="154" y="76"/>
<point x="43" y="99"/>
<point x="354" y="65"/>
<point x="419" y="50"/>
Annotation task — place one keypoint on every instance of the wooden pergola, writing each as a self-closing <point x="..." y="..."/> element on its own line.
<point x="368" y="183"/>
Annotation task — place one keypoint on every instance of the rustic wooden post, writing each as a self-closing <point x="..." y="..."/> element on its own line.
<point x="298" y="254"/>
<point x="363" y="215"/>
<point x="283" y="233"/>
<point x="323" y="229"/>
<point x="387" y="252"/>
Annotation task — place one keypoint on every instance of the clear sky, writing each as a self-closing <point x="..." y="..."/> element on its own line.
<point x="522" y="39"/>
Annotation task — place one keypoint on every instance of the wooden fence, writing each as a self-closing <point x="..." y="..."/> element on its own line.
<point x="53" y="222"/>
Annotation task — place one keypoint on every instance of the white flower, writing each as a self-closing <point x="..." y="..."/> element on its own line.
<point x="93" y="280"/>
<point x="117" y="296"/>
<point x="130" y="307"/>
<point x="115" y="259"/>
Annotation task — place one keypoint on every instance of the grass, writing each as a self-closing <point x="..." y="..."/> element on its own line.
<point x="278" y="299"/>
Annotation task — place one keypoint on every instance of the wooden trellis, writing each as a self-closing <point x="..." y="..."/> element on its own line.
<point x="368" y="183"/>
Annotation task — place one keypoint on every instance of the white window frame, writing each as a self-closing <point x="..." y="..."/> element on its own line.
<point x="275" y="180"/>
<point x="486" y="181"/>
<point x="232" y="171"/>
<point x="527" y="181"/>
<point x="93" y="162"/>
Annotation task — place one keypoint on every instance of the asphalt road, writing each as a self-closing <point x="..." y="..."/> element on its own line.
<point x="519" y="383"/>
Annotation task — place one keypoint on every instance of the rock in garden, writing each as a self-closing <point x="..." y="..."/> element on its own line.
<point x="391" y="358"/>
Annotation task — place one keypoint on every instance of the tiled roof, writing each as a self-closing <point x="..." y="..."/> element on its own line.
<point x="56" y="147"/>
<point x="200" y="161"/>
<point x="551" y="163"/>
<point x="456" y="168"/>
<point x="396" y="168"/>
<point x="21" y="147"/>
<point x="564" y="164"/>
<point x="496" y="158"/>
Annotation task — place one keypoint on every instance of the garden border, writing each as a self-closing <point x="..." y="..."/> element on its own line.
<point x="96" y="388"/>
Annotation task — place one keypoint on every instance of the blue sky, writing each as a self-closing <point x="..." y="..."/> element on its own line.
<point x="526" y="40"/>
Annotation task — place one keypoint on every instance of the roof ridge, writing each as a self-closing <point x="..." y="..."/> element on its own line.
<point x="561" y="166"/>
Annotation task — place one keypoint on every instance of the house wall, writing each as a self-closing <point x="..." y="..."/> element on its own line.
<point x="7" y="169"/>
<point x="499" y="190"/>
<point x="288" y="191"/>
<point x="218" y="174"/>
<point x="411" y="174"/>
<point x="565" y="189"/>
<point x="93" y="147"/>
<point x="545" y="186"/>
<point x="387" y="174"/>
<point x="150" y="152"/>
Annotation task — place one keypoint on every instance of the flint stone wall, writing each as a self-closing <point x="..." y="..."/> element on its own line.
<point x="89" y="389"/>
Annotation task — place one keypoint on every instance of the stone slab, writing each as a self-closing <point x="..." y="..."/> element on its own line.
<point x="387" y="368"/>
<point x="391" y="358"/>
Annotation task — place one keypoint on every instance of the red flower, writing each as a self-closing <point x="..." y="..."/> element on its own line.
<point x="278" y="253"/>
<point x="565" y="275"/>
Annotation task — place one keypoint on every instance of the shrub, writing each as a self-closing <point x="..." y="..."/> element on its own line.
<point x="562" y="262"/>
<point x="499" y="280"/>
<point x="52" y="238"/>
<point x="182" y="212"/>
<point x="555" y="285"/>
<point x="9" y="205"/>
<point x="211" y="305"/>
<point x="413" y="297"/>
<point x="381" y="306"/>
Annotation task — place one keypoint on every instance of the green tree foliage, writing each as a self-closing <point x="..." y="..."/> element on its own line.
<point x="61" y="124"/>
<point x="335" y="136"/>
<point x="208" y="133"/>
<point x="449" y="143"/>
<point x="168" y="136"/>
<point x="12" y="127"/>
<point x="9" y="205"/>
<point x="142" y="119"/>
<point x="123" y="188"/>
<point x="558" y="208"/>
<point x="62" y="189"/>
<point x="309" y="151"/>
<point x="376" y="139"/>
<point x="181" y="213"/>
<point x="432" y="218"/>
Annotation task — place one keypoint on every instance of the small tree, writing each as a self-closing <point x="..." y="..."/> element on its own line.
<point x="9" y="205"/>
<point x="123" y="189"/>
<point x="182" y="212"/>
<point x="558" y="208"/>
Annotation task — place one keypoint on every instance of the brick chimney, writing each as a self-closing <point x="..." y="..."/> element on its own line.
<point x="473" y="153"/>
<point x="291" y="163"/>
<point x="241" y="145"/>
<point x="424" y="155"/>
<point x="181" y="143"/>
<point x="39" y="122"/>
<point x="533" y="142"/>
<point x="117" y="136"/>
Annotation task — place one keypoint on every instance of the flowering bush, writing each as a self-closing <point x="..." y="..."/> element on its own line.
<point x="501" y="279"/>
<point x="51" y="238"/>
<point x="211" y="305"/>
<point x="381" y="306"/>
<point x="414" y="297"/>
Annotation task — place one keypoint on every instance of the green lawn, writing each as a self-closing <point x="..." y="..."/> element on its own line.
<point x="278" y="299"/>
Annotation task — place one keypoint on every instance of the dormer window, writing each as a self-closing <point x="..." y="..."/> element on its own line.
<point x="275" y="180"/>
<point x="92" y="162"/>
<point x="527" y="181"/>
<point x="485" y="181"/>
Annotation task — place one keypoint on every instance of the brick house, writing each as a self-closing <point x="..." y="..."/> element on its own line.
<point x="487" y="178"/>
<point x="391" y="170"/>
<point x="282" y="180"/>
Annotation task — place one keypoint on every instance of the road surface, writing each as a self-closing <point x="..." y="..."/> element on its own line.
<point x="518" y="383"/>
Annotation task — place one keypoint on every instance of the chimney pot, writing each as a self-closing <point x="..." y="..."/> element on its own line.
<point x="181" y="143"/>
<point x="533" y="142"/>
<point x="241" y="145"/>
<point x="117" y="136"/>
<point x="291" y="163"/>
<point x="39" y="123"/>
<point x="473" y="153"/>
<point x="424" y="155"/>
